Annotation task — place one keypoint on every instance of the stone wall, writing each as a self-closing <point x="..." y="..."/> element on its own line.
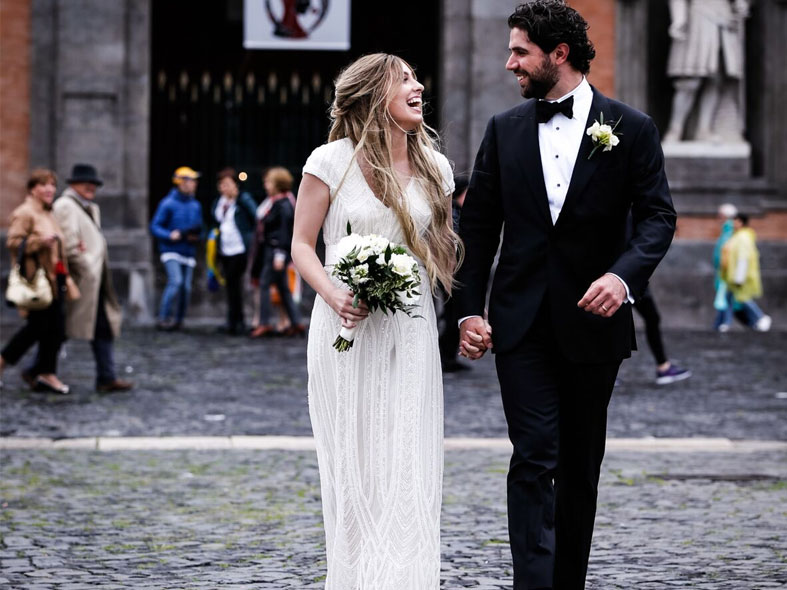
<point x="90" y="95"/>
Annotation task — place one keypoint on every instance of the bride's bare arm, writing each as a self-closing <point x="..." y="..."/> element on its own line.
<point x="310" y="210"/>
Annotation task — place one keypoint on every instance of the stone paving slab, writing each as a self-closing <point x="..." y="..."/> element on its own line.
<point x="198" y="383"/>
<point x="306" y="443"/>
<point x="74" y="519"/>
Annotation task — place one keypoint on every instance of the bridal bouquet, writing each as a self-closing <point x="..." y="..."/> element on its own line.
<point x="378" y="272"/>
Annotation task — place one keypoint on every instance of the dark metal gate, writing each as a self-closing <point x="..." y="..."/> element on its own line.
<point x="215" y="104"/>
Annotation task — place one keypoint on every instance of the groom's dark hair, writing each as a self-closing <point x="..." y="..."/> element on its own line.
<point x="551" y="22"/>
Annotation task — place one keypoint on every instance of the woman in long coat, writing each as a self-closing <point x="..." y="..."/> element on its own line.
<point x="33" y="225"/>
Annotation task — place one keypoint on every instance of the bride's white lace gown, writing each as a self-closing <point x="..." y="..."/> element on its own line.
<point x="376" y="410"/>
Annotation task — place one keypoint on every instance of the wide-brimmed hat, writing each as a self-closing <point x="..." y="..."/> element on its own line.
<point x="84" y="173"/>
<point x="184" y="172"/>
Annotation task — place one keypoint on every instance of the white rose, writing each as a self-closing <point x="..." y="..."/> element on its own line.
<point x="402" y="264"/>
<point x="364" y="253"/>
<point x="360" y="274"/>
<point x="347" y="244"/>
<point x="592" y="131"/>
<point x="378" y="244"/>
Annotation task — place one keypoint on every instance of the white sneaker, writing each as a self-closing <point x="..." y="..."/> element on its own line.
<point x="723" y="328"/>
<point x="763" y="324"/>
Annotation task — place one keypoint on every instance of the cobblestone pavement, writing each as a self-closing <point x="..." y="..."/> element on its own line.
<point x="200" y="383"/>
<point x="74" y="520"/>
<point x="78" y="519"/>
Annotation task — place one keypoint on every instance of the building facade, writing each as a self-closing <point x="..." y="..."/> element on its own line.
<point x="137" y="88"/>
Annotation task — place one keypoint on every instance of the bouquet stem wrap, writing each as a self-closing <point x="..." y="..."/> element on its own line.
<point x="344" y="341"/>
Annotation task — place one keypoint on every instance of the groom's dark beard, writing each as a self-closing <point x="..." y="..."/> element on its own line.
<point x="540" y="81"/>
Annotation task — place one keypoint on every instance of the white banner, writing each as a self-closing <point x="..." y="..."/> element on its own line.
<point x="296" y="24"/>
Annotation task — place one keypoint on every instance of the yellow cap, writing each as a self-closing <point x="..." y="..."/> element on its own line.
<point x="184" y="172"/>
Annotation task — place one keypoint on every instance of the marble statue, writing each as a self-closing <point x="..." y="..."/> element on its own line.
<point x="706" y="64"/>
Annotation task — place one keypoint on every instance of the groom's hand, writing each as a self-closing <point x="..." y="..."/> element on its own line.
<point x="604" y="296"/>
<point x="475" y="337"/>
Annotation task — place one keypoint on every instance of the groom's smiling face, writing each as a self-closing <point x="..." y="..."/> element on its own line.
<point x="535" y="70"/>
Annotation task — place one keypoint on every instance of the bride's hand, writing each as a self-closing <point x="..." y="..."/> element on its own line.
<point x="341" y="301"/>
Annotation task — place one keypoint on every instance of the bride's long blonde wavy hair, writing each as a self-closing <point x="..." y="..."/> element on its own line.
<point x="364" y="91"/>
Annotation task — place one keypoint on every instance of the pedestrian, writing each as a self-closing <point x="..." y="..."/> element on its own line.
<point x="740" y="266"/>
<point x="449" y="333"/>
<point x="273" y="241"/>
<point x="667" y="371"/>
<point x="36" y="239"/>
<point x="723" y="302"/>
<point x="177" y="227"/>
<point x="377" y="408"/>
<point x="562" y="172"/>
<point x="96" y="316"/>
<point x="234" y="215"/>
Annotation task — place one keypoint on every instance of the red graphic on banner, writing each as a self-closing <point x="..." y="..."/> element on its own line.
<point x="296" y="18"/>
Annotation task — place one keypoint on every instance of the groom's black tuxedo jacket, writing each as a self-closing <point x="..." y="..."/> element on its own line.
<point x="560" y="261"/>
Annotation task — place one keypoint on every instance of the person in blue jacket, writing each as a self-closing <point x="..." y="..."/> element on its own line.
<point x="178" y="228"/>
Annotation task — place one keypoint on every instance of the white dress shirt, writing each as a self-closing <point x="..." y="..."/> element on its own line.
<point x="231" y="242"/>
<point x="559" y="140"/>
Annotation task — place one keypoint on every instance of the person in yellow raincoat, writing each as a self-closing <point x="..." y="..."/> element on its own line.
<point x="740" y="268"/>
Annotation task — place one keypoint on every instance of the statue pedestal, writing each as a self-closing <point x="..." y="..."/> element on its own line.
<point x="702" y="175"/>
<point x="703" y="161"/>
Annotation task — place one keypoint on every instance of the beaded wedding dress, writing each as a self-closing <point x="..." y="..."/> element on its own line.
<point x="377" y="409"/>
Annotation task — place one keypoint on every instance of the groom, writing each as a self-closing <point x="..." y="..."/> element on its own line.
<point x="559" y="310"/>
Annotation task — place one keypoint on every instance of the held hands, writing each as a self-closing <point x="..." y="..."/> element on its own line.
<point x="175" y="235"/>
<point x="604" y="296"/>
<point x="475" y="337"/>
<point x="341" y="301"/>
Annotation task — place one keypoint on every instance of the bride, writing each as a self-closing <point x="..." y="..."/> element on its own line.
<point x="377" y="409"/>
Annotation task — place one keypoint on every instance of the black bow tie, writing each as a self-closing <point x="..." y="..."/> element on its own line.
<point x="546" y="110"/>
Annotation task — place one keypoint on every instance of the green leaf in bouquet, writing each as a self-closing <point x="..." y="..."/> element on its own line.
<point x="349" y="228"/>
<point x="388" y="254"/>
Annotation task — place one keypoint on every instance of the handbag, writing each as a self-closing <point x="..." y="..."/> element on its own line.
<point x="31" y="295"/>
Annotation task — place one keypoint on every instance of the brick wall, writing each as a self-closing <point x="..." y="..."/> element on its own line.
<point x="771" y="227"/>
<point x="14" y="103"/>
<point x="600" y="15"/>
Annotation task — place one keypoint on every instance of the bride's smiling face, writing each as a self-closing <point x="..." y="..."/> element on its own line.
<point x="405" y="107"/>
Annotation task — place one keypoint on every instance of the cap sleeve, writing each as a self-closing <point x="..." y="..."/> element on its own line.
<point x="320" y="164"/>
<point x="447" y="172"/>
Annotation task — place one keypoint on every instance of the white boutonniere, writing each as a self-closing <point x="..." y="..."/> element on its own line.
<point x="603" y="135"/>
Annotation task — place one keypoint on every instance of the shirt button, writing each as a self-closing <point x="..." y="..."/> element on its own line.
<point x="558" y="185"/>
<point x="557" y="156"/>
<point x="558" y="128"/>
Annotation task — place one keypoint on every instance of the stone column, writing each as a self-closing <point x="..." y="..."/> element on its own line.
<point x="474" y="80"/>
<point x="90" y="103"/>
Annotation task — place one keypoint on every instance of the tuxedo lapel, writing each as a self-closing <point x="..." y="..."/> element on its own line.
<point x="528" y="157"/>
<point x="584" y="167"/>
